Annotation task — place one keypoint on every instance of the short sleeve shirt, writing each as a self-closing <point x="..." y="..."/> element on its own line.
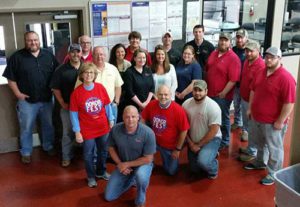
<point x="132" y="146"/>
<point x="32" y="74"/>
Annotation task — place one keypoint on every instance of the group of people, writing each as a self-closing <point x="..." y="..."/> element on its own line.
<point x="135" y="105"/>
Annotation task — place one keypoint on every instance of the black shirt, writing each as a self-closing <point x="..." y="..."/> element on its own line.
<point x="202" y="52"/>
<point x="138" y="84"/>
<point x="240" y="52"/>
<point x="32" y="74"/>
<point x="174" y="56"/>
<point x="64" y="79"/>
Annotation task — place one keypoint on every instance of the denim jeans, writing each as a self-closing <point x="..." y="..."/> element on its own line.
<point x="68" y="136"/>
<point x="205" y="159"/>
<point x="170" y="165"/>
<point x="119" y="183"/>
<point x="237" y="107"/>
<point x="27" y="115"/>
<point x="225" y="128"/>
<point x="89" y="145"/>
<point x="265" y="136"/>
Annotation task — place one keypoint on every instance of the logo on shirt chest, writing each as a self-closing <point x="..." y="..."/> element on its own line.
<point x="93" y="105"/>
<point x="159" y="123"/>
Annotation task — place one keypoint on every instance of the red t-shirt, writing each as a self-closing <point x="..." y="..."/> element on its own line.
<point x="129" y="56"/>
<point x="166" y="123"/>
<point x="89" y="58"/>
<point x="270" y="93"/>
<point x="248" y="73"/>
<point x="221" y="70"/>
<point x="90" y="106"/>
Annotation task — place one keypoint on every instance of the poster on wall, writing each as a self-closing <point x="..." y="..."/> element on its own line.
<point x="158" y="18"/>
<point x="174" y="18"/>
<point x="99" y="16"/>
<point x="140" y="18"/>
<point x="118" y="17"/>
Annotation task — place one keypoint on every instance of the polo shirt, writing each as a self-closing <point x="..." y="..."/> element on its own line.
<point x="138" y="84"/>
<point x="202" y="51"/>
<point x="32" y="74"/>
<point x="270" y="93"/>
<point x="129" y="55"/>
<point x="248" y="74"/>
<point x="110" y="78"/>
<point x="174" y="56"/>
<point x="132" y="146"/>
<point x="64" y="79"/>
<point x="221" y="70"/>
<point x="240" y="52"/>
<point x="186" y="73"/>
<point x="166" y="123"/>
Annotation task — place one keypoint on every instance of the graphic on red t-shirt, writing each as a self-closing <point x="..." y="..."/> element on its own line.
<point x="159" y="123"/>
<point x="93" y="105"/>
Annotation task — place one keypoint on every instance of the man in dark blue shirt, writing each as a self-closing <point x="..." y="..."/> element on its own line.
<point x="29" y="72"/>
<point x="239" y="49"/>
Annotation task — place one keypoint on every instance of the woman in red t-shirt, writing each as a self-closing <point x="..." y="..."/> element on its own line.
<point x="91" y="119"/>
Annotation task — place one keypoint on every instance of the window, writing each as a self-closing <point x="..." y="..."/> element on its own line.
<point x="230" y="15"/>
<point x="2" y="56"/>
<point x="290" y="39"/>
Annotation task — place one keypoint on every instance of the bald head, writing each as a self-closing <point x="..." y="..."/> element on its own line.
<point x="164" y="94"/>
<point x="131" y="118"/>
<point x="130" y="109"/>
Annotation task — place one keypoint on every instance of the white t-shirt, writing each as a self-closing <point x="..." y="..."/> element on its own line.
<point x="201" y="116"/>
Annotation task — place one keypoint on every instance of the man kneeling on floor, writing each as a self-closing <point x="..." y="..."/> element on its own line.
<point x="170" y="125"/>
<point x="132" y="146"/>
<point x="204" y="136"/>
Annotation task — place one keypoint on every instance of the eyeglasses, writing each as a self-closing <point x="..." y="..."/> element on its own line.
<point x="88" y="72"/>
<point x="85" y="43"/>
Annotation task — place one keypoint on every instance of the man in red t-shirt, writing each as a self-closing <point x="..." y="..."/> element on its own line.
<point x="223" y="71"/>
<point x="252" y="65"/>
<point x="134" y="43"/>
<point x="272" y="98"/>
<point x="170" y="125"/>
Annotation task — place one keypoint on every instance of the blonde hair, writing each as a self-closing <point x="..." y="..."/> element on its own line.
<point x="87" y="66"/>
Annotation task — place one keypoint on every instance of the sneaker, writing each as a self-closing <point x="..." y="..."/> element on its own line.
<point x="268" y="180"/>
<point x="51" y="152"/>
<point x="246" y="158"/>
<point x="252" y="166"/>
<point x="243" y="150"/>
<point x="104" y="176"/>
<point x="244" y="136"/>
<point x="234" y="126"/>
<point x="212" y="177"/>
<point x="92" y="182"/>
<point x="65" y="163"/>
<point x="26" y="159"/>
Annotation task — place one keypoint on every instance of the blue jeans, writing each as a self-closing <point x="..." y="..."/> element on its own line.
<point x="170" y="165"/>
<point x="68" y="136"/>
<point x="100" y="143"/>
<point x="225" y="128"/>
<point x="119" y="183"/>
<point x="237" y="107"/>
<point x="268" y="139"/>
<point x="205" y="159"/>
<point x="27" y="115"/>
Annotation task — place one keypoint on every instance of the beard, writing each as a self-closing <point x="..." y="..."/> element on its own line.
<point x="199" y="99"/>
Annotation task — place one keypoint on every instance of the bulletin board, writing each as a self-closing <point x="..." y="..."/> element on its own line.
<point x="112" y="21"/>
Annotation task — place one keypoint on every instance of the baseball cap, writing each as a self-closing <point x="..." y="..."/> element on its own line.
<point x="201" y="84"/>
<point x="242" y="33"/>
<point x="274" y="51"/>
<point x="252" y="45"/>
<point x="73" y="47"/>
<point x="225" y="35"/>
<point x="167" y="33"/>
